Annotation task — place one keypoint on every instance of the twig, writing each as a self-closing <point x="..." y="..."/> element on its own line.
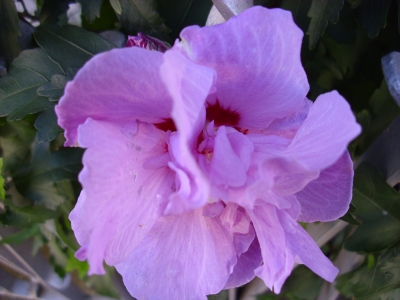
<point x="9" y="296"/>
<point x="15" y="270"/>
<point x="37" y="277"/>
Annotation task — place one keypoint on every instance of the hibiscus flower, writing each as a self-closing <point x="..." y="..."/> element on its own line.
<point x="200" y="161"/>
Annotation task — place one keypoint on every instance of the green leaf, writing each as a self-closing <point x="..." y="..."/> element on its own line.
<point x="9" y="30"/>
<point x="47" y="126"/>
<point x="222" y="295"/>
<point x="391" y="289"/>
<point x="179" y="14"/>
<point x="141" y="16"/>
<point x="70" y="46"/>
<point x="375" y="235"/>
<point x="361" y="280"/>
<point x="116" y="6"/>
<point x="27" y="216"/>
<point x="344" y="30"/>
<point x="16" y="138"/>
<point x="375" y="196"/>
<point x="21" y="235"/>
<point x="373" y="15"/>
<point x="55" y="88"/>
<point x="82" y="267"/>
<point x="321" y="12"/>
<point x="2" y="190"/>
<point x="18" y="96"/>
<point x="52" y="10"/>
<point x="374" y="282"/>
<point x="302" y="284"/>
<point x="45" y="178"/>
<point x="91" y="9"/>
<point x="107" y="19"/>
<point x="378" y="205"/>
<point x="348" y="217"/>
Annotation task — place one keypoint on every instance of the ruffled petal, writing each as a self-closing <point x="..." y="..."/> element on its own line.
<point x="122" y="84"/>
<point x="231" y="158"/>
<point x="185" y="256"/>
<point x="257" y="59"/>
<point x="188" y="84"/>
<point x="303" y="246"/>
<point x="327" y="198"/>
<point x="288" y="126"/>
<point x="324" y="135"/>
<point x="271" y="237"/>
<point x="121" y="199"/>
<point x="243" y="271"/>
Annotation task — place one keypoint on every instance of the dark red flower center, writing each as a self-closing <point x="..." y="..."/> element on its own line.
<point x="222" y="116"/>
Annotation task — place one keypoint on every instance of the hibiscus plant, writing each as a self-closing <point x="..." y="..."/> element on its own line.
<point x="199" y="149"/>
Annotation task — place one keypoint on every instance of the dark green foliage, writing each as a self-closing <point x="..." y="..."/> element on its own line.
<point x="141" y="16"/>
<point x="52" y="10"/>
<point x="378" y="206"/>
<point x="321" y="12"/>
<point x="91" y="9"/>
<point x="18" y="96"/>
<point x="223" y="295"/>
<point x="179" y="14"/>
<point x="70" y="46"/>
<point x="9" y="31"/>
<point x="47" y="127"/>
<point x="376" y="278"/>
<point x="342" y="49"/>
<point x="302" y="284"/>
<point x="44" y="178"/>
<point x="25" y="217"/>
<point x="373" y="14"/>
<point x="349" y="217"/>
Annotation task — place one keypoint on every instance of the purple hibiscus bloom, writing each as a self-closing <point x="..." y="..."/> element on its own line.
<point x="201" y="160"/>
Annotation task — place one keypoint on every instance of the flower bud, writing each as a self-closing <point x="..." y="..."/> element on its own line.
<point x="147" y="42"/>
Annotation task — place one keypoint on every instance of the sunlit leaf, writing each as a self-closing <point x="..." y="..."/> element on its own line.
<point x="116" y="6"/>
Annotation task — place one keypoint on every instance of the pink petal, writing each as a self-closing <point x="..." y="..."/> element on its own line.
<point x="243" y="272"/>
<point x="231" y="158"/>
<point x="257" y="59"/>
<point x="327" y="198"/>
<point x="303" y="246"/>
<point x="271" y="237"/>
<point x="238" y="223"/>
<point x="323" y="137"/>
<point x="288" y="126"/>
<point x="184" y="256"/>
<point x="188" y="84"/>
<point x="121" y="199"/>
<point x="120" y="85"/>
